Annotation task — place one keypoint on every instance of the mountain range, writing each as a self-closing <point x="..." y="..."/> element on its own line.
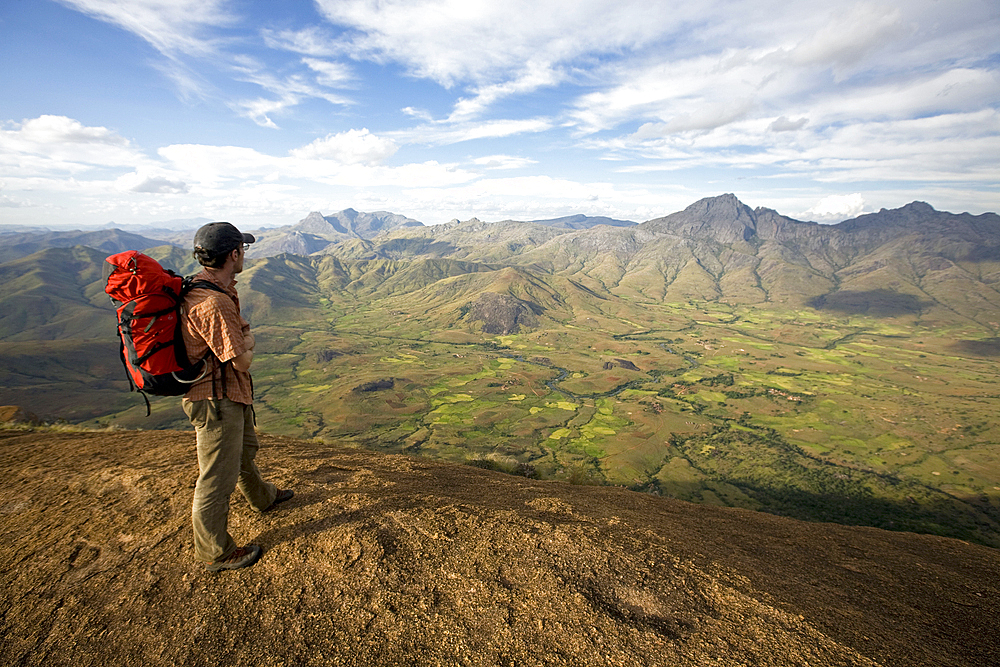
<point x="905" y="260"/>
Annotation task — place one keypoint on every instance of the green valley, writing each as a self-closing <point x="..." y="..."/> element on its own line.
<point x="844" y="375"/>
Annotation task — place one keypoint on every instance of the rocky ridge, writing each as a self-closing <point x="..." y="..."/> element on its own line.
<point x="389" y="560"/>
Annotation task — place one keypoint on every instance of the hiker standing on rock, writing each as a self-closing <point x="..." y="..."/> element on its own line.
<point x="219" y="405"/>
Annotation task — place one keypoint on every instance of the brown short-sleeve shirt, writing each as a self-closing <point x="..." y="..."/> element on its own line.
<point x="211" y="321"/>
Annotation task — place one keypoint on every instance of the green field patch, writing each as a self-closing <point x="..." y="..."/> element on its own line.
<point x="841" y="380"/>
<point x="635" y="394"/>
<point x="932" y="469"/>
<point x="400" y="359"/>
<point x="312" y="388"/>
<point x="517" y="397"/>
<point x="888" y="442"/>
<point x="449" y="413"/>
<point x="842" y="442"/>
<point x="453" y="398"/>
<point x="563" y="405"/>
<point x="728" y="363"/>
<point x="678" y="470"/>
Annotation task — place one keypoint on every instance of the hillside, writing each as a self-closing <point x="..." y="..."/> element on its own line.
<point x="391" y="560"/>
<point x="317" y="231"/>
<point x="108" y="241"/>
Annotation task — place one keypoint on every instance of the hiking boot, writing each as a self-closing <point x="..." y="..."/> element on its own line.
<point x="282" y="496"/>
<point x="242" y="557"/>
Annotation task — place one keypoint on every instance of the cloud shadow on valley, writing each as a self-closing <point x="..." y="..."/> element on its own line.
<point x="877" y="303"/>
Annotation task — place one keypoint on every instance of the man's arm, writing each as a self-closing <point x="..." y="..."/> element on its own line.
<point x="242" y="362"/>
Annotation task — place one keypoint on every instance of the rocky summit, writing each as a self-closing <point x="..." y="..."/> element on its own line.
<point x="390" y="560"/>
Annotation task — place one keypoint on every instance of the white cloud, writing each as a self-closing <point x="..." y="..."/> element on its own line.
<point x="836" y="208"/>
<point x="332" y="161"/>
<point x="290" y="91"/>
<point x="439" y="134"/>
<point x="57" y="143"/>
<point x="171" y="26"/>
<point x="150" y="184"/>
<point x="784" y="124"/>
<point x="310" y="41"/>
<point x="329" y="73"/>
<point x="536" y="75"/>
<point x="847" y="37"/>
<point x="499" y="49"/>
<point x="503" y="162"/>
<point x="351" y="147"/>
<point x="948" y="147"/>
<point x="183" y="30"/>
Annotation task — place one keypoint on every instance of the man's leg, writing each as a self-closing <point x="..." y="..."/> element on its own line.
<point x="259" y="494"/>
<point x="219" y="451"/>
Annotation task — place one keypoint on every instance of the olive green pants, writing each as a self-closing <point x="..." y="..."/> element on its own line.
<point x="227" y="447"/>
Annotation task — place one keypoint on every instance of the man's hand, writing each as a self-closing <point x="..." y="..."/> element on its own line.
<point x="248" y="340"/>
<point x="242" y="362"/>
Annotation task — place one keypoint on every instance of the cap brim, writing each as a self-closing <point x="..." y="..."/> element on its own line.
<point x="248" y="238"/>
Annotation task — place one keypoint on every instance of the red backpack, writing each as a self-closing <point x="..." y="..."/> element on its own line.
<point x="148" y="299"/>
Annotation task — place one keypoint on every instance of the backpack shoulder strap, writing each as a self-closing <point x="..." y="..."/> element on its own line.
<point x="191" y="284"/>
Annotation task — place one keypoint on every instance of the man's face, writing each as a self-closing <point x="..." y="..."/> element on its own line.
<point x="238" y="257"/>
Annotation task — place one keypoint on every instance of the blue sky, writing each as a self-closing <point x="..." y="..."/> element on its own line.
<point x="138" y="111"/>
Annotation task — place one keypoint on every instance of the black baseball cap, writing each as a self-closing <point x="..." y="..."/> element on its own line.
<point x="216" y="238"/>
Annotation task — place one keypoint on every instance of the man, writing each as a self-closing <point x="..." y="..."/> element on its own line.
<point x="219" y="404"/>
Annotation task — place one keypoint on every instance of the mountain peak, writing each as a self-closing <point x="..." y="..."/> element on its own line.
<point x="724" y="219"/>
<point x="919" y="207"/>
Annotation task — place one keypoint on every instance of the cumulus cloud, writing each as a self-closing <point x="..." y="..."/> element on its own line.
<point x="348" y="159"/>
<point x="59" y="143"/>
<point x="150" y="184"/>
<point x="351" y="147"/>
<point x="783" y="124"/>
<point x="836" y="208"/>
